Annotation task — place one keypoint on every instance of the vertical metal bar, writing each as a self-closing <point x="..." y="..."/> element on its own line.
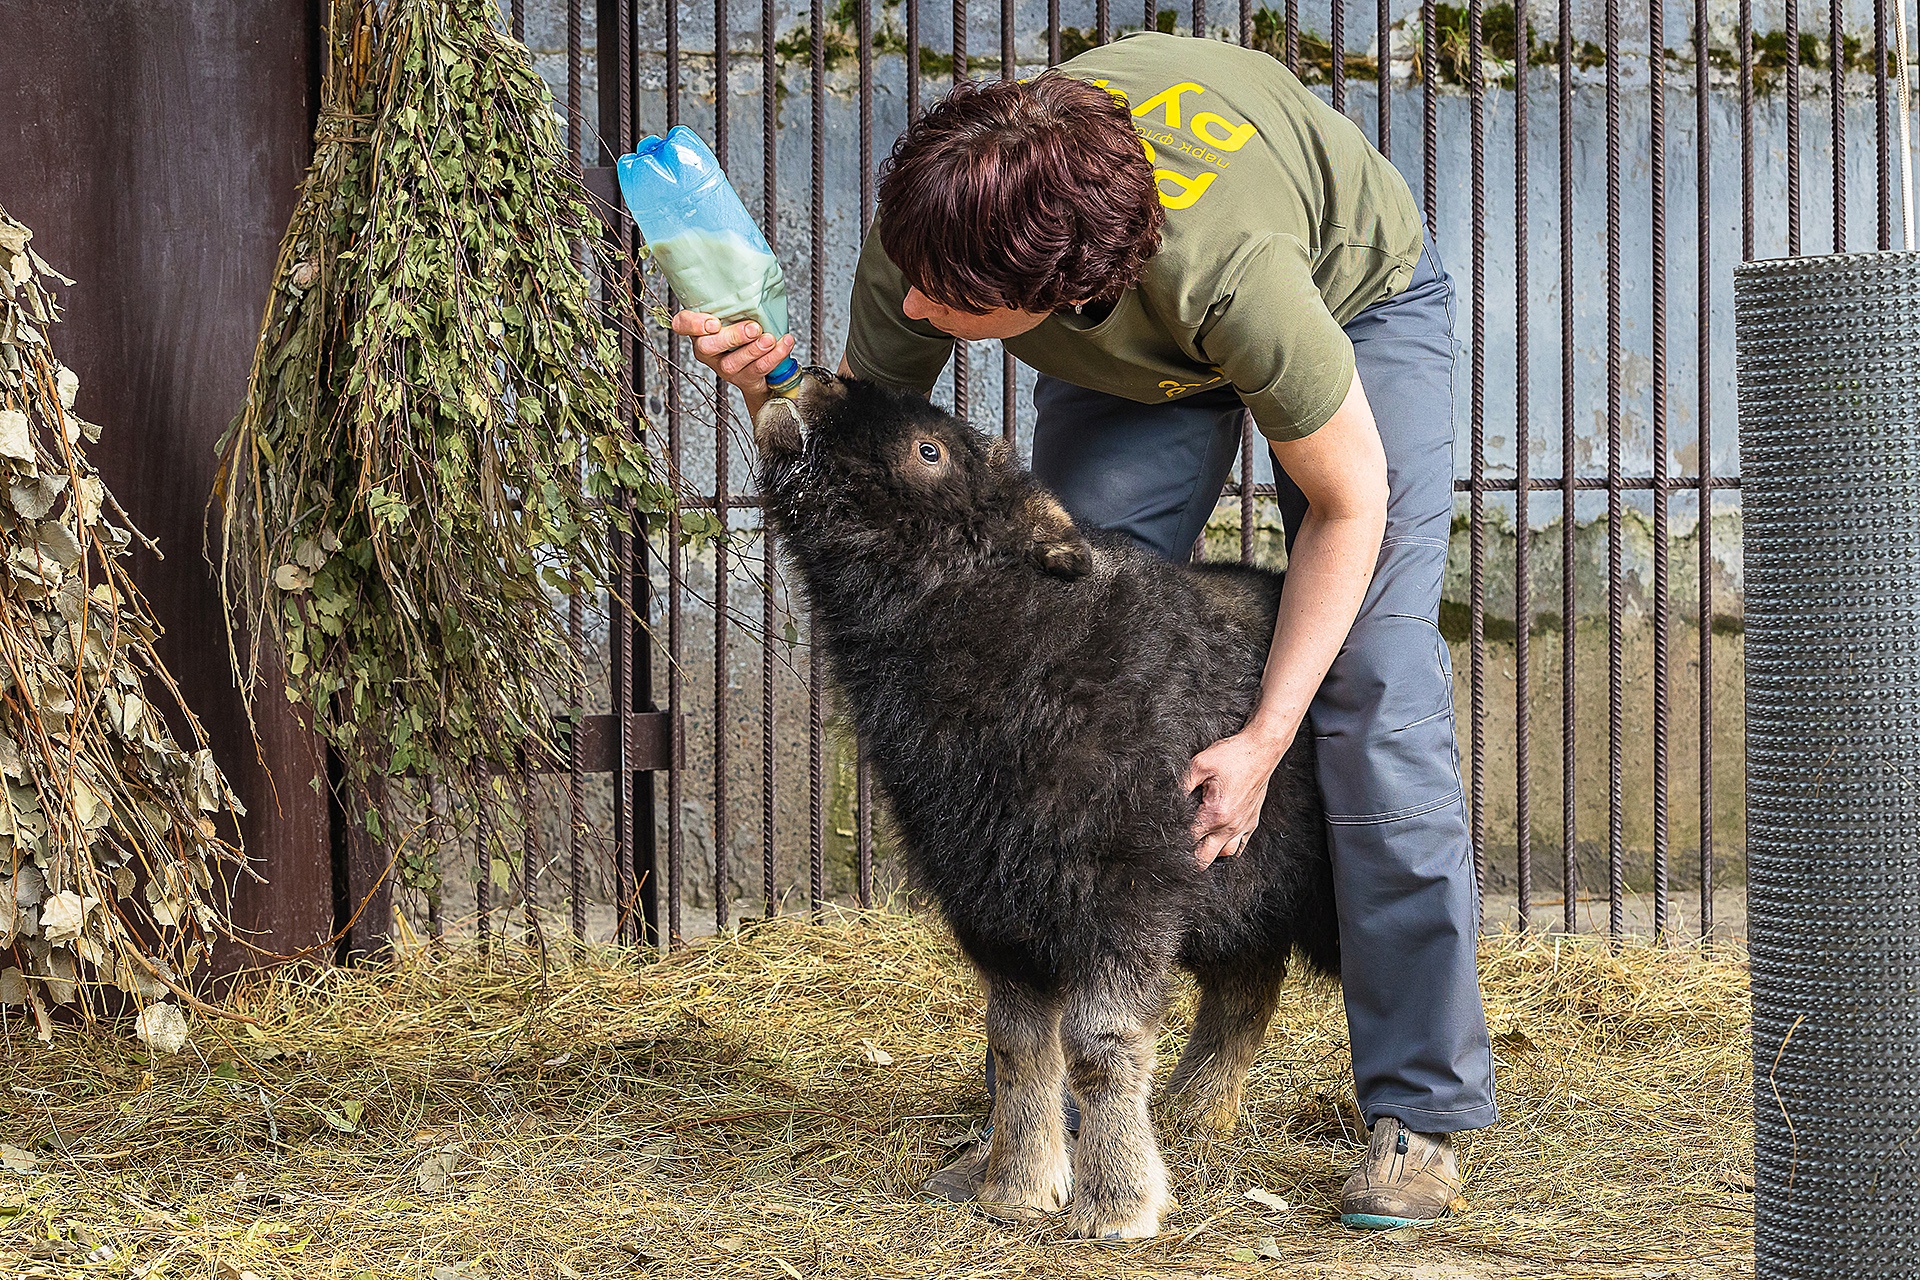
<point x="1616" y="599"/>
<point x="1102" y="21"/>
<point x="1882" y="148"/>
<point x="1053" y="32"/>
<point x="1429" y="116"/>
<point x="1662" y="676"/>
<point x="1746" y="130"/>
<point x="1337" y="53"/>
<point x="1293" y="36"/>
<point x="960" y="72"/>
<point x="1793" y="128"/>
<point x="646" y="836"/>
<point x="769" y="806"/>
<point x="1837" y="96"/>
<point x="483" y="891"/>
<point x="769" y="561"/>
<point x="866" y="117"/>
<point x="863" y="780"/>
<point x="1383" y="77"/>
<point x="816" y="809"/>
<point x="519" y="9"/>
<point x="1522" y="528"/>
<point x="621" y="611"/>
<point x="1569" y="627"/>
<point x="1009" y="407"/>
<point x="1246" y="489"/>
<point x="576" y="607"/>
<point x="638" y="913"/>
<point x="529" y="850"/>
<point x="1476" y="519"/>
<point x="1151" y="21"/>
<point x="864" y="832"/>
<point x="676" y="783"/>
<point x="913" y="59"/>
<point x="1199" y="27"/>
<point x="722" y="411"/>
<point x="817" y="270"/>
<point x="1246" y="24"/>
<point x="436" y="889"/>
<point x="1703" y="358"/>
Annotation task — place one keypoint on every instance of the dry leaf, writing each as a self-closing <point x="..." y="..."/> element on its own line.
<point x="16" y="439"/>
<point x="875" y="1054"/>
<point x="62" y="915"/>
<point x="435" y="1173"/>
<point x="1268" y="1248"/>
<point x="1272" y="1202"/>
<point x="162" y="1026"/>
<point x="16" y="1159"/>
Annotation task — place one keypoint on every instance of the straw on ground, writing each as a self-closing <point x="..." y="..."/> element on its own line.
<point x="768" y="1105"/>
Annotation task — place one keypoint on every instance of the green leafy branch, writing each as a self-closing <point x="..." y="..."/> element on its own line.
<point x="436" y="448"/>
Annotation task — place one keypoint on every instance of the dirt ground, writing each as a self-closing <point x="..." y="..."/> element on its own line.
<point x="767" y="1106"/>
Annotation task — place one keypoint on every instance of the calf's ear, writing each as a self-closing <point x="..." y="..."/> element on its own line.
<point x="1057" y="546"/>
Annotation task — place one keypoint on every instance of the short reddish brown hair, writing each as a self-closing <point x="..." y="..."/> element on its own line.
<point x="1028" y="194"/>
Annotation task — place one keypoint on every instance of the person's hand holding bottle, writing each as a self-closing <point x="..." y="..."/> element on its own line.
<point x="739" y="353"/>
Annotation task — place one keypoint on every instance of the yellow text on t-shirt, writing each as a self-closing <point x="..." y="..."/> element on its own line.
<point x="1217" y="137"/>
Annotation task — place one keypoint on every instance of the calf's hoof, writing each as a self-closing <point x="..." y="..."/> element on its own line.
<point x="960" y="1180"/>
<point x="1214" y="1117"/>
<point x="1136" y="1220"/>
<point x="1027" y="1200"/>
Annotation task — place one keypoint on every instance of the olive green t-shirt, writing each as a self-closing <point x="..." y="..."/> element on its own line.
<point x="1282" y="224"/>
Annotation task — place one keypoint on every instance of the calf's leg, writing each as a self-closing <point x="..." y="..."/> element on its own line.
<point x="1119" y="1181"/>
<point x="1235" y="1009"/>
<point x="1028" y="1173"/>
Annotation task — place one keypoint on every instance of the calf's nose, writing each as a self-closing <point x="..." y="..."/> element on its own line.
<point x="780" y="425"/>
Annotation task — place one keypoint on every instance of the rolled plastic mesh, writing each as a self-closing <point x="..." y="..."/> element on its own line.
<point x="1829" y="378"/>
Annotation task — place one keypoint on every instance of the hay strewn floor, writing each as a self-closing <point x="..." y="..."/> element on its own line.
<point x="767" y="1106"/>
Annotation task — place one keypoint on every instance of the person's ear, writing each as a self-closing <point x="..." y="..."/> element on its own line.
<point x="1057" y="547"/>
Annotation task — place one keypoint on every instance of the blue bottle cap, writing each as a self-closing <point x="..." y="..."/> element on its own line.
<point x="785" y="376"/>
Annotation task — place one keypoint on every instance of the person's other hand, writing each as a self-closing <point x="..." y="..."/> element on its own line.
<point x="1231" y="776"/>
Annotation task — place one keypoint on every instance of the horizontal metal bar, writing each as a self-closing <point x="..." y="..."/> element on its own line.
<point x="1672" y="484"/>
<point x="603" y="184"/>
<point x="653" y="740"/>
<point x="599" y="743"/>
<point x="1535" y="484"/>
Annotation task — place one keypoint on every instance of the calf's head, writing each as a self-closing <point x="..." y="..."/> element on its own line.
<point x="866" y="464"/>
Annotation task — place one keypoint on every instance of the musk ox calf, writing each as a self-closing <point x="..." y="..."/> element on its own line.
<point x="1031" y="695"/>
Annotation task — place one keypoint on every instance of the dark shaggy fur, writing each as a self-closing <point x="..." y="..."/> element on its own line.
<point x="1031" y="696"/>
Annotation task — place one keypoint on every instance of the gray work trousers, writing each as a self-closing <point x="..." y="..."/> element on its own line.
<point x="1383" y="720"/>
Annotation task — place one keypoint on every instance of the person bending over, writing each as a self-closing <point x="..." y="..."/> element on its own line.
<point x="1174" y="232"/>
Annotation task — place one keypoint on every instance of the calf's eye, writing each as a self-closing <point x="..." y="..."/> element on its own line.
<point x="929" y="452"/>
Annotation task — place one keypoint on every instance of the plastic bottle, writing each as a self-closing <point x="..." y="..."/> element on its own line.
<point x="711" y="250"/>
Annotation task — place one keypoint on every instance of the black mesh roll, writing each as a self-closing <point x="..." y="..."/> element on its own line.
<point x="1829" y="376"/>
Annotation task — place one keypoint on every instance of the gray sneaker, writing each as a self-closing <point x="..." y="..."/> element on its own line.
<point x="1406" y="1179"/>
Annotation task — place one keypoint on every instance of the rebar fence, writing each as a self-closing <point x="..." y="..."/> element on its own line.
<point x="1593" y="595"/>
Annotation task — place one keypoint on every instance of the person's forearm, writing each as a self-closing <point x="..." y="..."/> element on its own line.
<point x="1327" y="575"/>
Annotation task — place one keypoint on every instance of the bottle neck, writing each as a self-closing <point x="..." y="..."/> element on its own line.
<point x="785" y="378"/>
